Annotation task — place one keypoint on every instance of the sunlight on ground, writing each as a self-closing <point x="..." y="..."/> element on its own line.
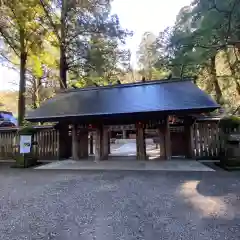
<point x="205" y="205"/>
<point x="129" y="149"/>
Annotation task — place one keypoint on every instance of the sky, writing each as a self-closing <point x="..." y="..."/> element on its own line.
<point x="138" y="16"/>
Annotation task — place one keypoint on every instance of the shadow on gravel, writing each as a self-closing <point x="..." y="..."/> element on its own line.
<point x="214" y="189"/>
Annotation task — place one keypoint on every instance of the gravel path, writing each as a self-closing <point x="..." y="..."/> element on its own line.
<point x="77" y="205"/>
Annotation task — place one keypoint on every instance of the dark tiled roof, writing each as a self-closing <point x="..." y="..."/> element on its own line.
<point x="156" y="96"/>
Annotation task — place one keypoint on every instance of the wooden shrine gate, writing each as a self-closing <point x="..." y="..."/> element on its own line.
<point x="207" y="141"/>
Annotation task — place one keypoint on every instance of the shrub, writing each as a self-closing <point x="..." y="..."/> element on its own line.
<point x="228" y="124"/>
<point x="28" y="130"/>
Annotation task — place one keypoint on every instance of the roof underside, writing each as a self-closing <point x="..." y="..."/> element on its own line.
<point x="172" y="96"/>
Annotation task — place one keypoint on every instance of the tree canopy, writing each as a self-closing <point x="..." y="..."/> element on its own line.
<point x="205" y="43"/>
<point x="55" y="43"/>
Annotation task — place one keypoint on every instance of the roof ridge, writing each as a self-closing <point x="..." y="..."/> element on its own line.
<point x="132" y="84"/>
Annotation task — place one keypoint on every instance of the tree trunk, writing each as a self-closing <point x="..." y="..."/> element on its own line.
<point x="34" y="99"/>
<point x="218" y="91"/>
<point x="238" y="47"/>
<point x="63" y="61"/>
<point x="233" y="72"/>
<point x="22" y="83"/>
<point x="182" y="71"/>
<point x="36" y="93"/>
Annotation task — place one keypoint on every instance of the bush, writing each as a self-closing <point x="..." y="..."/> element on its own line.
<point x="25" y="160"/>
<point x="228" y="124"/>
<point x="28" y="130"/>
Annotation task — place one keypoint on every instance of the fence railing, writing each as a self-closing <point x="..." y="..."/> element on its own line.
<point x="207" y="142"/>
<point x="47" y="139"/>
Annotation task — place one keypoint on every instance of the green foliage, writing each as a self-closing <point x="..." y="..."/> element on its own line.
<point x="88" y="38"/>
<point x="27" y="130"/>
<point x="148" y="57"/>
<point x="54" y="43"/>
<point x="21" y="33"/>
<point x="229" y="123"/>
<point x="20" y="160"/>
<point x="205" y="42"/>
<point x="19" y="22"/>
<point x="25" y="160"/>
<point x="104" y="62"/>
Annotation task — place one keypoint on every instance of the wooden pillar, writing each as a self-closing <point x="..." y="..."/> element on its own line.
<point x="65" y="148"/>
<point x="83" y="144"/>
<point x="137" y="143"/>
<point x="74" y="142"/>
<point x="109" y="142"/>
<point x="161" y="138"/>
<point x="140" y="142"/>
<point x="101" y="144"/>
<point x="165" y="140"/>
<point x="98" y="144"/>
<point x="91" y="144"/>
<point x="188" y="131"/>
<point x="124" y="132"/>
<point x="167" y="137"/>
<point x="105" y="143"/>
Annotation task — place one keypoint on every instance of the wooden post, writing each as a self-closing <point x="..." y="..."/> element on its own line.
<point x="167" y="138"/>
<point x="137" y="143"/>
<point x="105" y="143"/>
<point x="124" y="132"/>
<point x="83" y="144"/>
<point x="140" y="142"/>
<point x="65" y="147"/>
<point x="161" y="137"/>
<point x="98" y="143"/>
<point x="101" y="144"/>
<point x="91" y="144"/>
<point x="188" y="131"/>
<point x="109" y="142"/>
<point x="74" y="142"/>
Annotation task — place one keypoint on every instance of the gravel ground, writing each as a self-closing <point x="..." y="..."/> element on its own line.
<point x="86" y="205"/>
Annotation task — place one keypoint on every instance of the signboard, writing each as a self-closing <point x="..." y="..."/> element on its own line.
<point x="25" y="144"/>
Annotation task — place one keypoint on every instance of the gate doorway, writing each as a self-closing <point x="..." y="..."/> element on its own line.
<point x="178" y="141"/>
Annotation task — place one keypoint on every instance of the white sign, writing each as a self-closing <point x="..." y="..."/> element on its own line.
<point x="25" y="143"/>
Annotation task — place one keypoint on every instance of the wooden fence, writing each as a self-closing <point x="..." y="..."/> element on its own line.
<point x="47" y="139"/>
<point x="207" y="142"/>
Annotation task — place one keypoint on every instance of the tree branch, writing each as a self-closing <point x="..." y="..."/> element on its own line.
<point x="50" y="20"/>
<point x="7" y="59"/>
<point x="15" y="16"/>
<point x="236" y="2"/>
<point x="11" y="45"/>
<point x="214" y="6"/>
